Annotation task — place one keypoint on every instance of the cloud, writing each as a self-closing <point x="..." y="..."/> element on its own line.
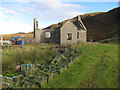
<point x="57" y="10"/>
<point x="58" y="5"/>
<point x="7" y="14"/>
<point x="14" y="27"/>
<point x="18" y="16"/>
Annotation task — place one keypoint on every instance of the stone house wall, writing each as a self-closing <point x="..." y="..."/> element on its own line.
<point x="82" y="36"/>
<point x="40" y="36"/>
<point x="66" y="29"/>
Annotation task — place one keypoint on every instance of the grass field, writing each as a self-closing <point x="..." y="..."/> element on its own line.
<point x="96" y="68"/>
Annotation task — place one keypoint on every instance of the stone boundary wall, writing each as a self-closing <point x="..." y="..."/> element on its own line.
<point x="28" y="40"/>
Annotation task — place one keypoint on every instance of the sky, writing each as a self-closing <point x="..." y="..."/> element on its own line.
<point x="17" y="15"/>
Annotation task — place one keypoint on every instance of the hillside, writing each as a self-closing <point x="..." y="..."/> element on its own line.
<point x="100" y="25"/>
<point x="103" y="25"/>
<point x="9" y="36"/>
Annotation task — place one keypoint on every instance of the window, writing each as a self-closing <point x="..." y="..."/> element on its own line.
<point x="47" y="34"/>
<point x="69" y="36"/>
<point x="77" y="34"/>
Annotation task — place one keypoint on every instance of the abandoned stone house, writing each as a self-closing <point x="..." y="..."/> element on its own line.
<point x="68" y="33"/>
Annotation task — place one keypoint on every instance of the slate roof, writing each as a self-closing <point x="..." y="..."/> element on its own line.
<point x="77" y="23"/>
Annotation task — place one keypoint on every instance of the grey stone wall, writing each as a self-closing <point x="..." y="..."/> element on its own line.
<point x="82" y="36"/>
<point x="54" y="36"/>
<point x="68" y="27"/>
<point x="43" y="38"/>
<point x="28" y="40"/>
<point x="38" y="33"/>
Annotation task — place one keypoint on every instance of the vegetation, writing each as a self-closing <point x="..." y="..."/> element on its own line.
<point x="96" y="68"/>
<point x="34" y="54"/>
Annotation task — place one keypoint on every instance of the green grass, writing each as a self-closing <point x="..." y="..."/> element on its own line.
<point x="96" y="68"/>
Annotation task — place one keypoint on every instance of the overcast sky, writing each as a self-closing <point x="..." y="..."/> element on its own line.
<point x="17" y="15"/>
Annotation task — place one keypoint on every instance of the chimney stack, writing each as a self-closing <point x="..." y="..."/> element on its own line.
<point x="34" y="23"/>
<point x="79" y="18"/>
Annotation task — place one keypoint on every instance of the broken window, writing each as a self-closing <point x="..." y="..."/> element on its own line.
<point x="47" y="34"/>
<point x="69" y="36"/>
<point x="77" y="34"/>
